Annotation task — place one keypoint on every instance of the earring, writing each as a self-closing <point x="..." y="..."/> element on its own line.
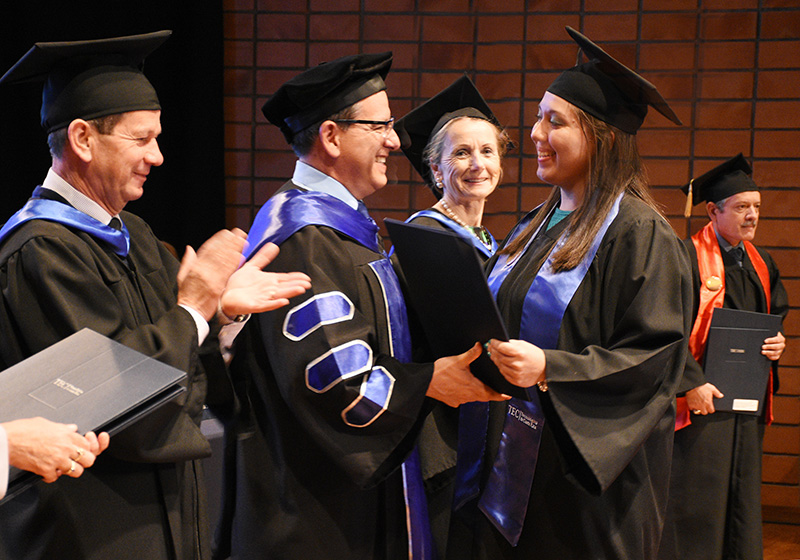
<point x="439" y="184"/>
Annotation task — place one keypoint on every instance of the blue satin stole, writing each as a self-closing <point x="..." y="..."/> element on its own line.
<point x="54" y="211"/>
<point x="290" y="211"/>
<point x="504" y="500"/>
<point x="459" y="229"/>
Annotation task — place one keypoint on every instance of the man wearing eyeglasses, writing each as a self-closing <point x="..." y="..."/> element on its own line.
<point x="326" y="465"/>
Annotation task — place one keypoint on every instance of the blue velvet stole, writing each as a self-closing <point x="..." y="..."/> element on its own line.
<point x="61" y="213"/>
<point x="473" y="420"/>
<point x="289" y="211"/>
<point x="420" y="541"/>
<point x="459" y="229"/>
<point x="505" y="497"/>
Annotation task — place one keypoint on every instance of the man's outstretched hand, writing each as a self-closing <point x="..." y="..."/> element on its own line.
<point x="252" y="290"/>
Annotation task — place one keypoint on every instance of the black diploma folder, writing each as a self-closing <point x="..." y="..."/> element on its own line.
<point x="448" y="290"/>
<point x="733" y="360"/>
<point x="89" y="380"/>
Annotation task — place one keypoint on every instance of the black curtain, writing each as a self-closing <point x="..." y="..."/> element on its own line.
<point x="184" y="198"/>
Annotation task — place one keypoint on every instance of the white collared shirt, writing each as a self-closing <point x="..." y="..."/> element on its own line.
<point x="315" y="180"/>
<point x="77" y="199"/>
<point x="4" y="458"/>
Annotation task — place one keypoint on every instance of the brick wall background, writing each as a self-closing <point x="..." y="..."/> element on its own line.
<point x="729" y="68"/>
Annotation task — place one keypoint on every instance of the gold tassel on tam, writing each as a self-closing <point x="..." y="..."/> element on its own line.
<point x="687" y="211"/>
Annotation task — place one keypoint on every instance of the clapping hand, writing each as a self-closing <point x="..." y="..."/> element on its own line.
<point x="252" y="290"/>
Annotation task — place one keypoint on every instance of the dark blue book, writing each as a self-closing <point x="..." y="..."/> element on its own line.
<point x="734" y="362"/>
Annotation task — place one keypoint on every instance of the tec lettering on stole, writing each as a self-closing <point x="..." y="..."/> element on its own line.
<point x="515" y="412"/>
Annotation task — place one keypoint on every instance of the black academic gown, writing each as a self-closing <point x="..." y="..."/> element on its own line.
<point x="308" y="484"/>
<point x="715" y="498"/>
<point x="142" y="498"/>
<point x="600" y="484"/>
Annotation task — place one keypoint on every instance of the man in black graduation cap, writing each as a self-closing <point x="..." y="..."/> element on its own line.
<point x="332" y="407"/>
<point x="715" y="491"/>
<point x="72" y="258"/>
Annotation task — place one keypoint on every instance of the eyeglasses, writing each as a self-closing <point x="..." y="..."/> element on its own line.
<point x="385" y="129"/>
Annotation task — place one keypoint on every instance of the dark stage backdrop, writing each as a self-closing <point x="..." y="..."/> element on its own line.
<point x="184" y="198"/>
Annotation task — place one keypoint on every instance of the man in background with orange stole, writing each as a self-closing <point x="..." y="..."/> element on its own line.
<point x="715" y="489"/>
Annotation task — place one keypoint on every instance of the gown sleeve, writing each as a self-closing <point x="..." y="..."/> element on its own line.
<point x="779" y="304"/>
<point x="330" y="355"/>
<point x="622" y="349"/>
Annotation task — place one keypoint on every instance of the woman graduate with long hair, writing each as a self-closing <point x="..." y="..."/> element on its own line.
<point x="595" y="289"/>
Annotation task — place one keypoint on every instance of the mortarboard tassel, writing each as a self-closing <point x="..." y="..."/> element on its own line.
<point x="687" y="210"/>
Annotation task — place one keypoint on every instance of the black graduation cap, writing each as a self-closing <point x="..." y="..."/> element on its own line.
<point x="609" y="90"/>
<point x="727" y="179"/>
<point x="459" y="99"/>
<point x="323" y="90"/>
<point x="89" y="79"/>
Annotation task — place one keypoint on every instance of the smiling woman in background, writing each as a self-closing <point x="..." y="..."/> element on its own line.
<point x="456" y="144"/>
